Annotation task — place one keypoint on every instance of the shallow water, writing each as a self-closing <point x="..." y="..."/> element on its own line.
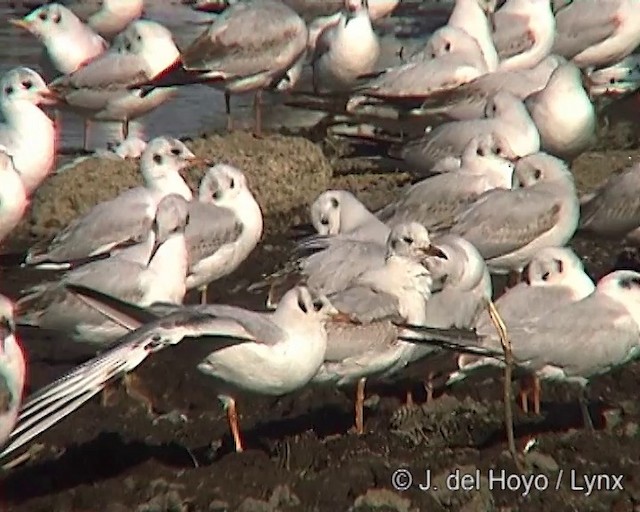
<point x="196" y="109"/>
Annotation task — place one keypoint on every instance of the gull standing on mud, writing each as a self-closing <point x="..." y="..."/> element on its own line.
<point x="27" y="134"/>
<point x="365" y="341"/>
<point x="127" y="218"/>
<point x="440" y="198"/>
<point x="509" y="227"/>
<point x="345" y="50"/>
<point x="250" y="47"/>
<point x="523" y="32"/>
<point x="596" y="33"/>
<point x="505" y="115"/>
<point x="154" y="271"/>
<point x="104" y="89"/>
<point x="563" y="113"/>
<point x="13" y="196"/>
<point x="12" y="370"/>
<point x="578" y="341"/>
<point x="554" y="277"/>
<point x="225" y="227"/>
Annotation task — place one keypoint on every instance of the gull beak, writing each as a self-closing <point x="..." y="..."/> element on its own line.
<point x="49" y="97"/>
<point x="432" y="250"/>
<point x="21" y="23"/>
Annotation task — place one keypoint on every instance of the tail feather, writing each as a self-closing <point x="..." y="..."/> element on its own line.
<point x="466" y="341"/>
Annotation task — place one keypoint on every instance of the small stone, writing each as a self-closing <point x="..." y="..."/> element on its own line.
<point x="612" y="418"/>
<point x="542" y="461"/>
<point x="381" y="499"/>
<point x="282" y="496"/>
<point x="254" y="505"/>
<point x="631" y="429"/>
<point x="218" y="506"/>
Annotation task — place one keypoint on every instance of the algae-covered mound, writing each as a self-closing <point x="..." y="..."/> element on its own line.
<point x="285" y="174"/>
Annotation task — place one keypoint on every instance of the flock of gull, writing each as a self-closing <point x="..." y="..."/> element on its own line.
<point x="503" y="99"/>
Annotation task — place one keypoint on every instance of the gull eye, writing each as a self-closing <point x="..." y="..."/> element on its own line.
<point x="334" y="202"/>
<point x="394" y="244"/>
<point x="480" y="152"/>
<point x="498" y="150"/>
<point x="176" y="152"/>
<point x="127" y="46"/>
<point x="302" y="305"/>
<point x="43" y="16"/>
<point x="27" y="84"/>
<point x="216" y="195"/>
<point x="560" y="266"/>
<point x="538" y="174"/>
<point x="56" y="18"/>
<point x="324" y="221"/>
<point x="447" y="47"/>
<point x="8" y="90"/>
<point x="317" y="305"/>
<point x="187" y="219"/>
<point x="545" y="276"/>
<point x="232" y="184"/>
<point x="157" y="158"/>
<point x="407" y="240"/>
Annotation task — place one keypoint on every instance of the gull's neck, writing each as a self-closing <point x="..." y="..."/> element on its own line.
<point x="467" y="15"/>
<point x="169" y="265"/>
<point x="247" y="210"/>
<point x="169" y="182"/>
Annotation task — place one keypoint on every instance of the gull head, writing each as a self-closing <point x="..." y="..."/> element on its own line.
<point x="49" y="21"/>
<point x="131" y="8"/>
<point x="353" y="7"/>
<point x="448" y="40"/>
<point x="538" y="168"/>
<point x="501" y="104"/>
<point x="483" y="155"/>
<point x="495" y="144"/>
<point x="461" y="267"/>
<point x="327" y="212"/>
<point x="164" y="157"/>
<point x="411" y="240"/>
<point x="623" y="286"/>
<point x="301" y="305"/>
<point x="7" y="323"/>
<point x="172" y="217"/>
<point x="559" y="266"/>
<point x="24" y="85"/>
<point x="224" y="186"/>
<point x="150" y="41"/>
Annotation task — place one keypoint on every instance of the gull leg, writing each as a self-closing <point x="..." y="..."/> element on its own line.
<point x="428" y="387"/>
<point x="85" y="138"/>
<point x="257" y="107"/>
<point x="584" y="408"/>
<point x="136" y="389"/>
<point x="360" y="406"/>
<point x="409" y="399"/>
<point x="203" y="295"/>
<point x="125" y="129"/>
<point x="227" y="107"/>
<point x="232" y="416"/>
<point x="536" y="395"/>
<point x="526" y="385"/>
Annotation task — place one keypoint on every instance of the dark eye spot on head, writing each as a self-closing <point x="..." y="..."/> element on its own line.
<point x="127" y="46"/>
<point x="216" y="195"/>
<point x="480" y="152"/>
<point x="56" y="18"/>
<point x="538" y="174"/>
<point x="545" y="276"/>
<point x="394" y="244"/>
<point x="560" y="266"/>
<point x="447" y="47"/>
<point x="176" y="151"/>
<point x="334" y="202"/>
<point x="302" y="305"/>
<point x="187" y="219"/>
<point x="498" y="150"/>
<point x="317" y="305"/>
<point x="157" y="158"/>
<point x="8" y="90"/>
<point x="612" y="81"/>
<point x="27" y="84"/>
<point x="232" y="184"/>
<point x="139" y="37"/>
<point x="407" y="240"/>
<point x="43" y="16"/>
<point x="324" y="221"/>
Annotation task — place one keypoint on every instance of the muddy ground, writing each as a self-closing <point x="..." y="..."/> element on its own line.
<point x="301" y="454"/>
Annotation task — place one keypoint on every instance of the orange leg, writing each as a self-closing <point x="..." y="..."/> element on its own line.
<point x="232" y="416"/>
<point x="536" y="395"/>
<point x="409" y="399"/>
<point x="360" y="406"/>
<point x="227" y="105"/>
<point x="428" y="386"/>
<point x="530" y="385"/>
<point x="257" y="106"/>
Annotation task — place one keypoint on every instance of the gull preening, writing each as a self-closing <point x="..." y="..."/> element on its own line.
<point x="128" y="217"/>
<point x="153" y="271"/>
